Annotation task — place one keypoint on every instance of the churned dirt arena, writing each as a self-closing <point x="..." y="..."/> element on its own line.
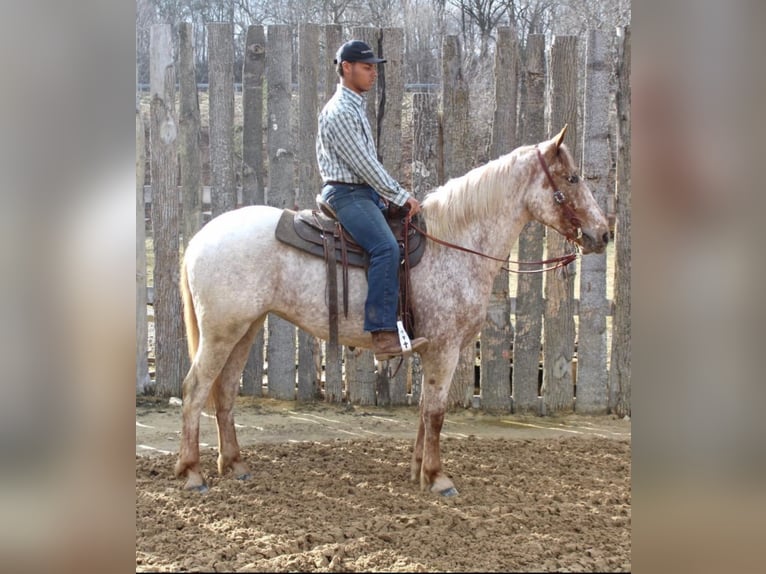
<point x="330" y="491"/>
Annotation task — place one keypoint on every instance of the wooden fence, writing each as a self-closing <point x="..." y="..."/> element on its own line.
<point x="513" y="367"/>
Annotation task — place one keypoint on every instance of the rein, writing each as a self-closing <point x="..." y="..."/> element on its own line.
<point x="557" y="261"/>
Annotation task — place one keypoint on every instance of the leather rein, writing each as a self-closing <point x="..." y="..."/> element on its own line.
<point x="556" y="262"/>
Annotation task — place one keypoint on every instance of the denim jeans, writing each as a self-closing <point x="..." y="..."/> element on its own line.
<point x="359" y="210"/>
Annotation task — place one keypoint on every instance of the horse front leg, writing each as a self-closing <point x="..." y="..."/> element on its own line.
<point x="426" y="457"/>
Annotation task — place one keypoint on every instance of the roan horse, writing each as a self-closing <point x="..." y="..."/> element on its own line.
<point x="235" y="272"/>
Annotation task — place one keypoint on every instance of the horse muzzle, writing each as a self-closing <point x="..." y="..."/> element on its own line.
<point x="593" y="241"/>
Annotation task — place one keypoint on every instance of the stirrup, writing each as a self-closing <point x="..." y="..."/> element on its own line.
<point x="325" y="207"/>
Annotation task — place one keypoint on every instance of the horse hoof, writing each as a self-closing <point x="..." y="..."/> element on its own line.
<point x="202" y="488"/>
<point x="246" y="476"/>
<point x="451" y="491"/>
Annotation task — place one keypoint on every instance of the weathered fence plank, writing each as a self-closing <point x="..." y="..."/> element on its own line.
<point x="497" y="333"/>
<point x="309" y="183"/>
<point x="391" y="391"/>
<point x="333" y="38"/>
<point x="253" y="171"/>
<point x="253" y="67"/>
<point x="333" y="372"/>
<point x="280" y="193"/>
<point x="221" y="75"/>
<point x="171" y="361"/>
<point x="189" y="141"/>
<point x="425" y="176"/>
<point x="558" y="343"/>
<point x="361" y="375"/>
<point x="529" y="288"/>
<point x="619" y="371"/>
<point x="142" y="332"/>
<point x="591" y="393"/>
<point x="456" y="162"/>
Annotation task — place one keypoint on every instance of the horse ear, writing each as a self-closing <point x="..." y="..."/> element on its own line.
<point x="559" y="139"/>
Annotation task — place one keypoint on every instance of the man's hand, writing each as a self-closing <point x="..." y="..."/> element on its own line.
<point x="414" y="206"/>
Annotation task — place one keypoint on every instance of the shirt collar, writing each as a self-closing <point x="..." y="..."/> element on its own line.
<point x="351" y="96"/>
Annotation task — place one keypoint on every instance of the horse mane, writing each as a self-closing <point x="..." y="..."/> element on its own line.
<point x="477" y="195"/>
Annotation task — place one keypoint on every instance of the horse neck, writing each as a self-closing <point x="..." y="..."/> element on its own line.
<point x="483" y="210"/>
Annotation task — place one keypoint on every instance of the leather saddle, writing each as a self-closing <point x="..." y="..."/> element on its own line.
<point x="308" y="230"/>
<point x="318" y="232"/>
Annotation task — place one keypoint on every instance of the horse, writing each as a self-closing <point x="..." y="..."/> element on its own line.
<point x="234" y="272"/>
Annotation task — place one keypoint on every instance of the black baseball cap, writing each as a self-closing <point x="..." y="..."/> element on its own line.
<point x="356" y="51"/>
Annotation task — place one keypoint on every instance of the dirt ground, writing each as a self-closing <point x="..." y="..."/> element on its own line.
<point x="330" y="492"/>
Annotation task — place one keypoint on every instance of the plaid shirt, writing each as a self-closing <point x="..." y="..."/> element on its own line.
<point x="345" y="148"/>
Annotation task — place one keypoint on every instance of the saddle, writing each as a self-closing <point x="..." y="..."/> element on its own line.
<point x="318" y="232"/>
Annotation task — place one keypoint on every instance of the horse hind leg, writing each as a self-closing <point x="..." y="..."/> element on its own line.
<point x="196" y="389"/>
<point x="225" y="391"/>
<point x="206" y="367"/>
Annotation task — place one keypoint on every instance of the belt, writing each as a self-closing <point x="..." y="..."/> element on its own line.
<point x="343" y="183"/>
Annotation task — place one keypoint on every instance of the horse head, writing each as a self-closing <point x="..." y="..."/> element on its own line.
<point x="563" y="201"/>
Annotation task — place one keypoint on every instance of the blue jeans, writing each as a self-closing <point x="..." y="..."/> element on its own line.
<point x="359" y="210"/>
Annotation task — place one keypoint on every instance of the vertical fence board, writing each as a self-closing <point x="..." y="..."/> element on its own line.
<point x="189" y="142"/>
<point x="390" y="83"/>
<point x="529" y="288"/>
<point x="333" y="38"/>
<point x="142" y="367"/>
<point x="253" y="168"/>
<point x="361" y="375"/>
<point x="223" y="193"/>
<point x="333" y="353"/>
<point x="280" y="193"/>
<point x="497" y="333"/>
<point x="619" y="371"/>
<point x="558" y="345"/>
<point x="253" y="171"/>
<point x="170" y="351"/>
<point x="591" y="390"/>
<point x="425" y="176"/>
<point x="456" y="162"/>
<point x="308" y="182"/>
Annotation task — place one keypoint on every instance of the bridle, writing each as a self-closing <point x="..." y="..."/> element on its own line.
<point x="554" y="262"/>
<point x="558" y="196"/>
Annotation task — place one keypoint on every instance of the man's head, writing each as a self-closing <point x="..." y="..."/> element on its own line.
<point x="357" y="65"/>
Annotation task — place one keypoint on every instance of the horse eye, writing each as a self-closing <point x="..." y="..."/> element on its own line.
<point x="573" y="179"/>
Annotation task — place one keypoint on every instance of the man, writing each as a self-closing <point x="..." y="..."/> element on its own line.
<point x="354" y="182"/>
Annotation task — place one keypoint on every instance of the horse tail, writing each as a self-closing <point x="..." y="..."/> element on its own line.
<point x="190" y="316"/>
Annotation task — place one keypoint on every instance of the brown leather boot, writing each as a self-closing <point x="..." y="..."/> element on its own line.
<point x="385" y="345"/>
